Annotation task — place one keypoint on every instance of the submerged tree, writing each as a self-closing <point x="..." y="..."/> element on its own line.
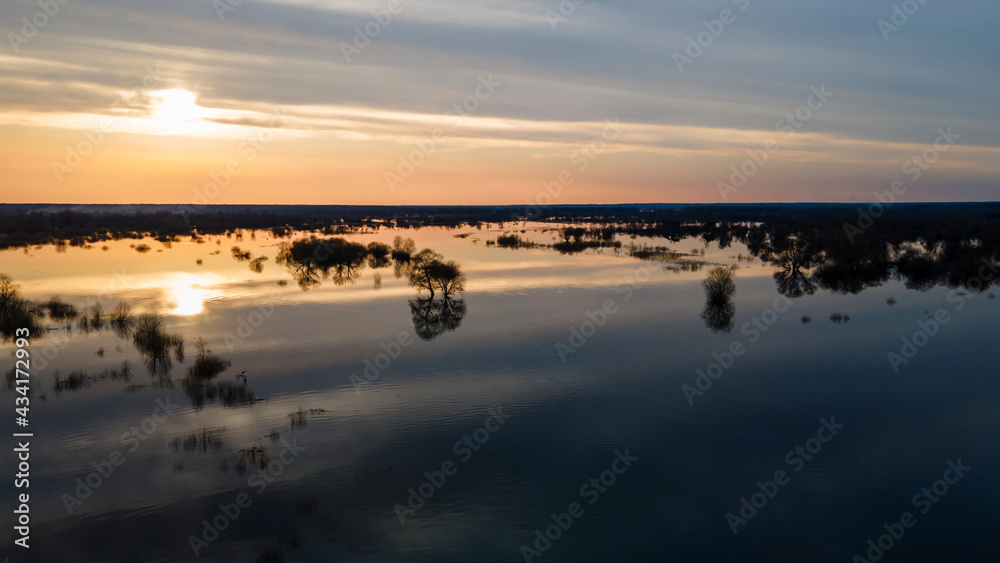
<point x="312" y="259"/>
<point x="378" y="255"/>
<point x="402" y="254"/>
<point x="155" y="345"/>
<point x="9" y="297"/>
<point x="433" y="315"/>
<point x="200" y="387"/>
<point x="791" y="253"/>
<point x="719" y="285"/>
<point x="719" y="291"/>
<point x="427" y="271"/>
<point x="403" y="249"/>
<point x="206" y="364"/>
<point x="59" y="310"/>
<point x="852" y="267"/>
<point x="15" y="311"/>
<point x="121" y="319"/>
<point x="257" y="264"/>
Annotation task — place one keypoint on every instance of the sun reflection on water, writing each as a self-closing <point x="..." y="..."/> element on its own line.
<point x="189" y="292"/>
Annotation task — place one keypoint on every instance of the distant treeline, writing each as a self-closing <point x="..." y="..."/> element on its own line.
<point x="930" y="223"/>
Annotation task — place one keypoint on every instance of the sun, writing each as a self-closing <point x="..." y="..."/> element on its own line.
<point x="176" y="111"/>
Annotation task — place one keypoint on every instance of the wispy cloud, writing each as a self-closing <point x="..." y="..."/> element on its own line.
<point x="607" y="59"/>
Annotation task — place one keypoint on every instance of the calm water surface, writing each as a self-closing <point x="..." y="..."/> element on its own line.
<point x="361" y="452"/>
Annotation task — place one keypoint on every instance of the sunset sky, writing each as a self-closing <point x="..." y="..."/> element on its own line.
<point x="489" y="101"/>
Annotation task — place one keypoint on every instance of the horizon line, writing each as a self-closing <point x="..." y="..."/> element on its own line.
<point x="514" y="205"/>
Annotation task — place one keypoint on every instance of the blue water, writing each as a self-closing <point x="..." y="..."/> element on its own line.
<point x="363" y="448"/>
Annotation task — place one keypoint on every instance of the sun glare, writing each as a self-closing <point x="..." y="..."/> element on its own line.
<point x="189" y="294"/>
<point x="176" y="111"/>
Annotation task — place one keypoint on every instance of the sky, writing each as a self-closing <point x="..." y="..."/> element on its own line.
<point x="513" y="102"/>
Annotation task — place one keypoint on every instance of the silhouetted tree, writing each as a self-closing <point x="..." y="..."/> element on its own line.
<point x="427" y="271"/>
<point x="719" y="291"/>
<point x="155" y="345"/>
<point x="17" y="312"/>
<point x="791" y="253"/>
<point x="313" y="258"/>
<point x="378" y="255"/>
<point x="403" y="249"/>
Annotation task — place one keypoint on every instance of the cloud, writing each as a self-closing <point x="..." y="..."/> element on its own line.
<point x="605" y="59"/>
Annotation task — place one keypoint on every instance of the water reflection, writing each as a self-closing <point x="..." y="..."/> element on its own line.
<point x="312" y="260"/>
<point x="428" y="271"/>
<point x="378" y="255"/>
<point x="805" y="263"/>
<point x="189" y="298"/>
<point x="433" y="316"/>
<point x="79" y="379"/>
<point x="155" y="345"/>
<point x="793" y="283"/>
<point x="301" y="357"/>
<point x="121" y="319"/>
<point x="720" y="309"/>
<point x="200" y="387"/>
<point x="16" y="313"/>
<point x="205" y="441"/>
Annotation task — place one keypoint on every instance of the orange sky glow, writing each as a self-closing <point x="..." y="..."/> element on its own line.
<point x="266" y="105"/>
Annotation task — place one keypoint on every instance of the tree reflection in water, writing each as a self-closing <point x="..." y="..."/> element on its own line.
<point x="719" y="292"/>
<point x="806" y="263"/>
<point x="200" y="387"/>
<point x="155" y="345"/>
<point x="433" y="316"/>
<point x="793" y="283"/>
<point x="312" y="259"/>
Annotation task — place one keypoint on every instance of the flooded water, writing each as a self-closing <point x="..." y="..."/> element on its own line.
<point x="583" y="406"/>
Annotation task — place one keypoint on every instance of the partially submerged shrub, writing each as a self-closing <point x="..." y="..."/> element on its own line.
<point x="59" y="310"/>
<point x="15" y="311"/>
